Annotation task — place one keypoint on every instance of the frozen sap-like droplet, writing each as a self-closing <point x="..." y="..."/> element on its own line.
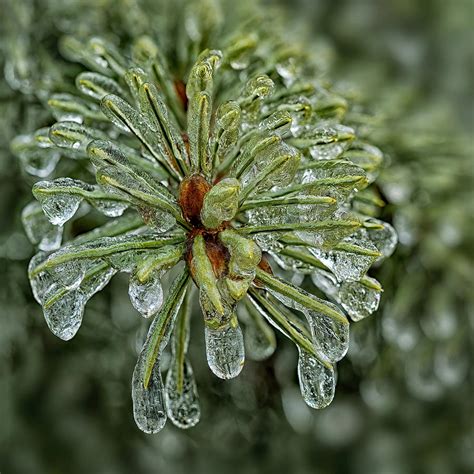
<point x="146" y="297"/>
<point x="182" y="400"/>
<point x="317" y="381"/>
<point x="225" y="351"/>
<point x="149" y="408"/>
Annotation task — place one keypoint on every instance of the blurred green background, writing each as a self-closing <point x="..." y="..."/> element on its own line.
<point x="404" y="396"/>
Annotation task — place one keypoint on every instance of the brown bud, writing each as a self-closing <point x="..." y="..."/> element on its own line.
<point x="191" y="197"/>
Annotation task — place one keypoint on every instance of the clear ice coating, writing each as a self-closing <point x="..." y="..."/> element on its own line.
<point x="110" y="208"/>
<point x="359" y="299"/>
<point x="330" y="231"/>
<point x="352" y="261"/>
<point x="383" y="236"/>
<point x="64" y="281"/>
<point x="325" y="142"/>
<point x="39" y="230"/>
<point x="146" y="296"/>
<point x="317" y="381"/>
<point x="259" y="337"/>
<point x="64" y="291"/>
<point x="58" y="207"/>
<point x="225" y="351"/>
<point x="330" y="334"/>
<point x="74" y="136"/>
<point x="182" y="400"/>
<point x="97" y="86"/>
<point x="149" y="406"/>
<point x="70" y="107"/>
<point x="61" y="197"/>
<point x="148" y="394"/>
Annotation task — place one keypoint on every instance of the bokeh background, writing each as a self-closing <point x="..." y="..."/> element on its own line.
<point x="404" y="400"/>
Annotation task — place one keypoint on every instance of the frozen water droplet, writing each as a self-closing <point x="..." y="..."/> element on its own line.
<point x="147" y="296"/>
<point x="330" y="336"/>
<point x="317" y="382"/>
<point x="225" y="351"/>
<point x="64" y="290"/>
<point x="328" y="151"/>
<point x="326" y="282"/>
<point x="385" y="239"/>
<point x="64" y="316"/>
<point x="347" y="265"/>
<point x="149" y="408"/>
<point x="147" y="386"/>
<point x="110" y="208"/>
<point x="182" y="400"/>
<point x="38" y="228"/>
<point x="358" y="300"/>
<point x="60" y="208"/>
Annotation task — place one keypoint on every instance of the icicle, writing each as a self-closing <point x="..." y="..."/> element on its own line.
<point x="351" y="258"/>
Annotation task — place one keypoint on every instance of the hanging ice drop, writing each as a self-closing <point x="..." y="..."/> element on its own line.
<point x="147" y="296"/>
<point x="317" y="381"/>
<point x="149" y="408"/>
<point x="225" y="351"/>
<point x="182" y="400"/>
